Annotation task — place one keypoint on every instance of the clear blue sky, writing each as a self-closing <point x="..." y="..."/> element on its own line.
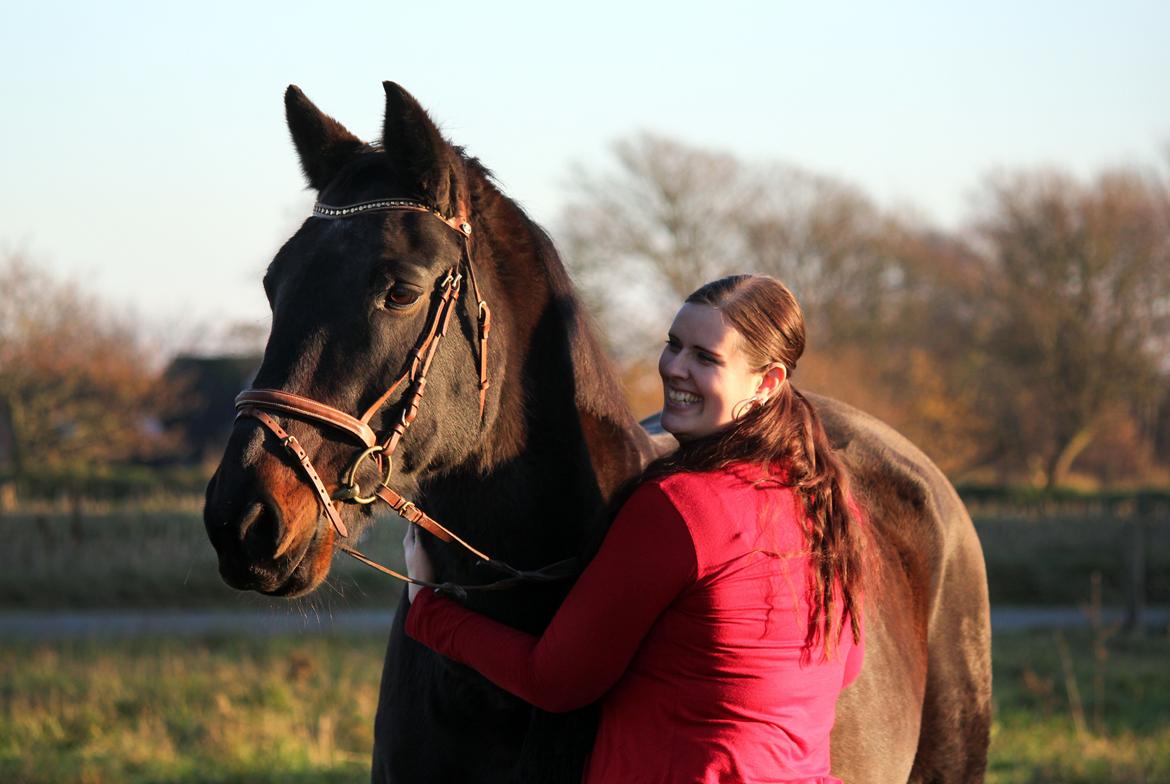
<point x="143" y="146"/>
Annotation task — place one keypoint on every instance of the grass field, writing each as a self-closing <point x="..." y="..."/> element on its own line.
<point x="1124" y="718"/>
<point x="301" y="710"/>
<point x="231" y="709"/>
<point x="218" y="710"/>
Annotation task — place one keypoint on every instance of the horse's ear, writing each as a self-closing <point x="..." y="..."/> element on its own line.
<point x="418" y="150"/>
<point x="323" y="144"/>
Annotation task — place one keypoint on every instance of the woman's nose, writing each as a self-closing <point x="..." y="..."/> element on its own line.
<point x="673" y="366"/>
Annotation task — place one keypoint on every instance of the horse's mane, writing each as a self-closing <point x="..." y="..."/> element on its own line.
<point x="596" y="387"/>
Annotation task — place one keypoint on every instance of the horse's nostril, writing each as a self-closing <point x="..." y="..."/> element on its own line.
<point x="259" y="530"/>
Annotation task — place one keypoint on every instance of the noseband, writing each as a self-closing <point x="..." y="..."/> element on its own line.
<point x="257" y="403"/>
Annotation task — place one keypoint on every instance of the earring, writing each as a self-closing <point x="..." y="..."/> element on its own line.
<point x="742" y="408"/>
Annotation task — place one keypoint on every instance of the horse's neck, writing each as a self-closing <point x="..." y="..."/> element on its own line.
<point x="552" y="481"/>
<point x="564" y="438"/>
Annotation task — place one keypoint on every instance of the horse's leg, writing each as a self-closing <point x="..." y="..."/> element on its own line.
<point x="879" y="715"/>
<point x="438" y="722"/>
<point x="956" y="715"/>
<point x="557" y="746"/>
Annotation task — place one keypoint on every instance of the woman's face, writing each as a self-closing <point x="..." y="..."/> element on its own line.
<point x="705" y="373"/>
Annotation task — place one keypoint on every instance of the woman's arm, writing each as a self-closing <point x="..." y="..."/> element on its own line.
<point x="646" y="560"/>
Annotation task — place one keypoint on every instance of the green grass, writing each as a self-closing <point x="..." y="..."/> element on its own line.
<point x="301" y="710"/>
<point x="1035" y="739"/>
<point x="219" y="710"/>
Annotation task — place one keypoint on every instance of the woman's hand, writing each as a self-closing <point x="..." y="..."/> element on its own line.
<point x="418" y="563"/>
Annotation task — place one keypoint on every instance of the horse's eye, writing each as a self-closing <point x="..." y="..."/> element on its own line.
<point x="402" y="296"/>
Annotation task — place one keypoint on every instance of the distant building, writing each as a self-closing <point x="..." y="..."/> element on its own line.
<point x="204" y="417"/>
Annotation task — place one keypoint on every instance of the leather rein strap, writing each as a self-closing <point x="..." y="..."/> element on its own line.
<point x="256" y="403"/>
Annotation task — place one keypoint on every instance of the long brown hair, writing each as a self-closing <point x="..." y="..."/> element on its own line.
<point x="785" y="436"/>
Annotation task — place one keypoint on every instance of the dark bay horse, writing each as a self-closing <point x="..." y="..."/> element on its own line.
<point x="528" y="478"/>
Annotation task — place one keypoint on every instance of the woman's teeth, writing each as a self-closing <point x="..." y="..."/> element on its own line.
<point x="682" y="398"/>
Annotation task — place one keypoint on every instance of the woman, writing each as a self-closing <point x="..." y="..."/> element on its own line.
<point x="721" y="617"/>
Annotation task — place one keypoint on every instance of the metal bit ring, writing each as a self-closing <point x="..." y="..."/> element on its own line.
<point x="351" y="490"/>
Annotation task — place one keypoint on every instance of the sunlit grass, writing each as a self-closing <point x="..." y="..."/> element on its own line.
<point x="302" y="710"/>
<point x="218" y="710"/>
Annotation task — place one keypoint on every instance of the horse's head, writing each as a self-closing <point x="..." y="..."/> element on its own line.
<point x="353" y="296"/>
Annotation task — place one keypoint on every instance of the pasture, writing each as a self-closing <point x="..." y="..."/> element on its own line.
<point x="286" y="709"/>
<point x="231" y="708"/>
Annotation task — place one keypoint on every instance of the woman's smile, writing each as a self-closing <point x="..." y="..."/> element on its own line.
<point x="677" y="398"/>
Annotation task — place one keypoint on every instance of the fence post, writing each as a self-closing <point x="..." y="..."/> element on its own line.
<point x="1135" y="599"/>
<point x="7" y="495"/>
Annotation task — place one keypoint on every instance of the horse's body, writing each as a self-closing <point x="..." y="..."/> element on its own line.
<point x="528" y="482"/>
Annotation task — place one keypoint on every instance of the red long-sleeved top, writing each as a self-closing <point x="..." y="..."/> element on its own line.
<point x="689" y="625"/>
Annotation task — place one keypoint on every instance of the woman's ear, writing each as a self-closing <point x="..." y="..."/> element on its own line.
<point x="771" y="382"/>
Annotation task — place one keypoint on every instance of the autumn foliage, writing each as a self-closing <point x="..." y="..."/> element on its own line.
<point x="78" y="389"/>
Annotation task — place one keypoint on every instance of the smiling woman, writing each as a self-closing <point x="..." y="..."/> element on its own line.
<point x="731" y="642"/>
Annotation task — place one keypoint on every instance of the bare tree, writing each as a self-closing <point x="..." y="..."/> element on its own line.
<point x="829" y="243"/>
<point x="642" y="236"/>
<point x="672" y="217"/>
<point x="1078" y="284"/>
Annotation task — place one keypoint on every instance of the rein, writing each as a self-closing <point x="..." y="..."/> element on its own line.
<point x="258" y="403"/>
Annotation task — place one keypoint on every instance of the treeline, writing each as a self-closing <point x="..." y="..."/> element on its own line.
<point x="1032" y="346"/>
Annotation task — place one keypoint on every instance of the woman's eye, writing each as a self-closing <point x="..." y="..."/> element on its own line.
<point x="401" y="296"/>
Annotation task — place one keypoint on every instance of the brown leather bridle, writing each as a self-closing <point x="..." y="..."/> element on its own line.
<point x="257" y="403"/>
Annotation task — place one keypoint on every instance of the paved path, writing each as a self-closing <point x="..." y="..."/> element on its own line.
<point x="184" y="623"/>
<point x="1006" y="619"/>
<point x="195" y="623"/>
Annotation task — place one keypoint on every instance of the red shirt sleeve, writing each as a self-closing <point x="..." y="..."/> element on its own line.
<point x="646" y="560"/>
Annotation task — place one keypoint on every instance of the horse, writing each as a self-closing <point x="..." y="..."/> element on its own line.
<point x="517" y="447"/>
